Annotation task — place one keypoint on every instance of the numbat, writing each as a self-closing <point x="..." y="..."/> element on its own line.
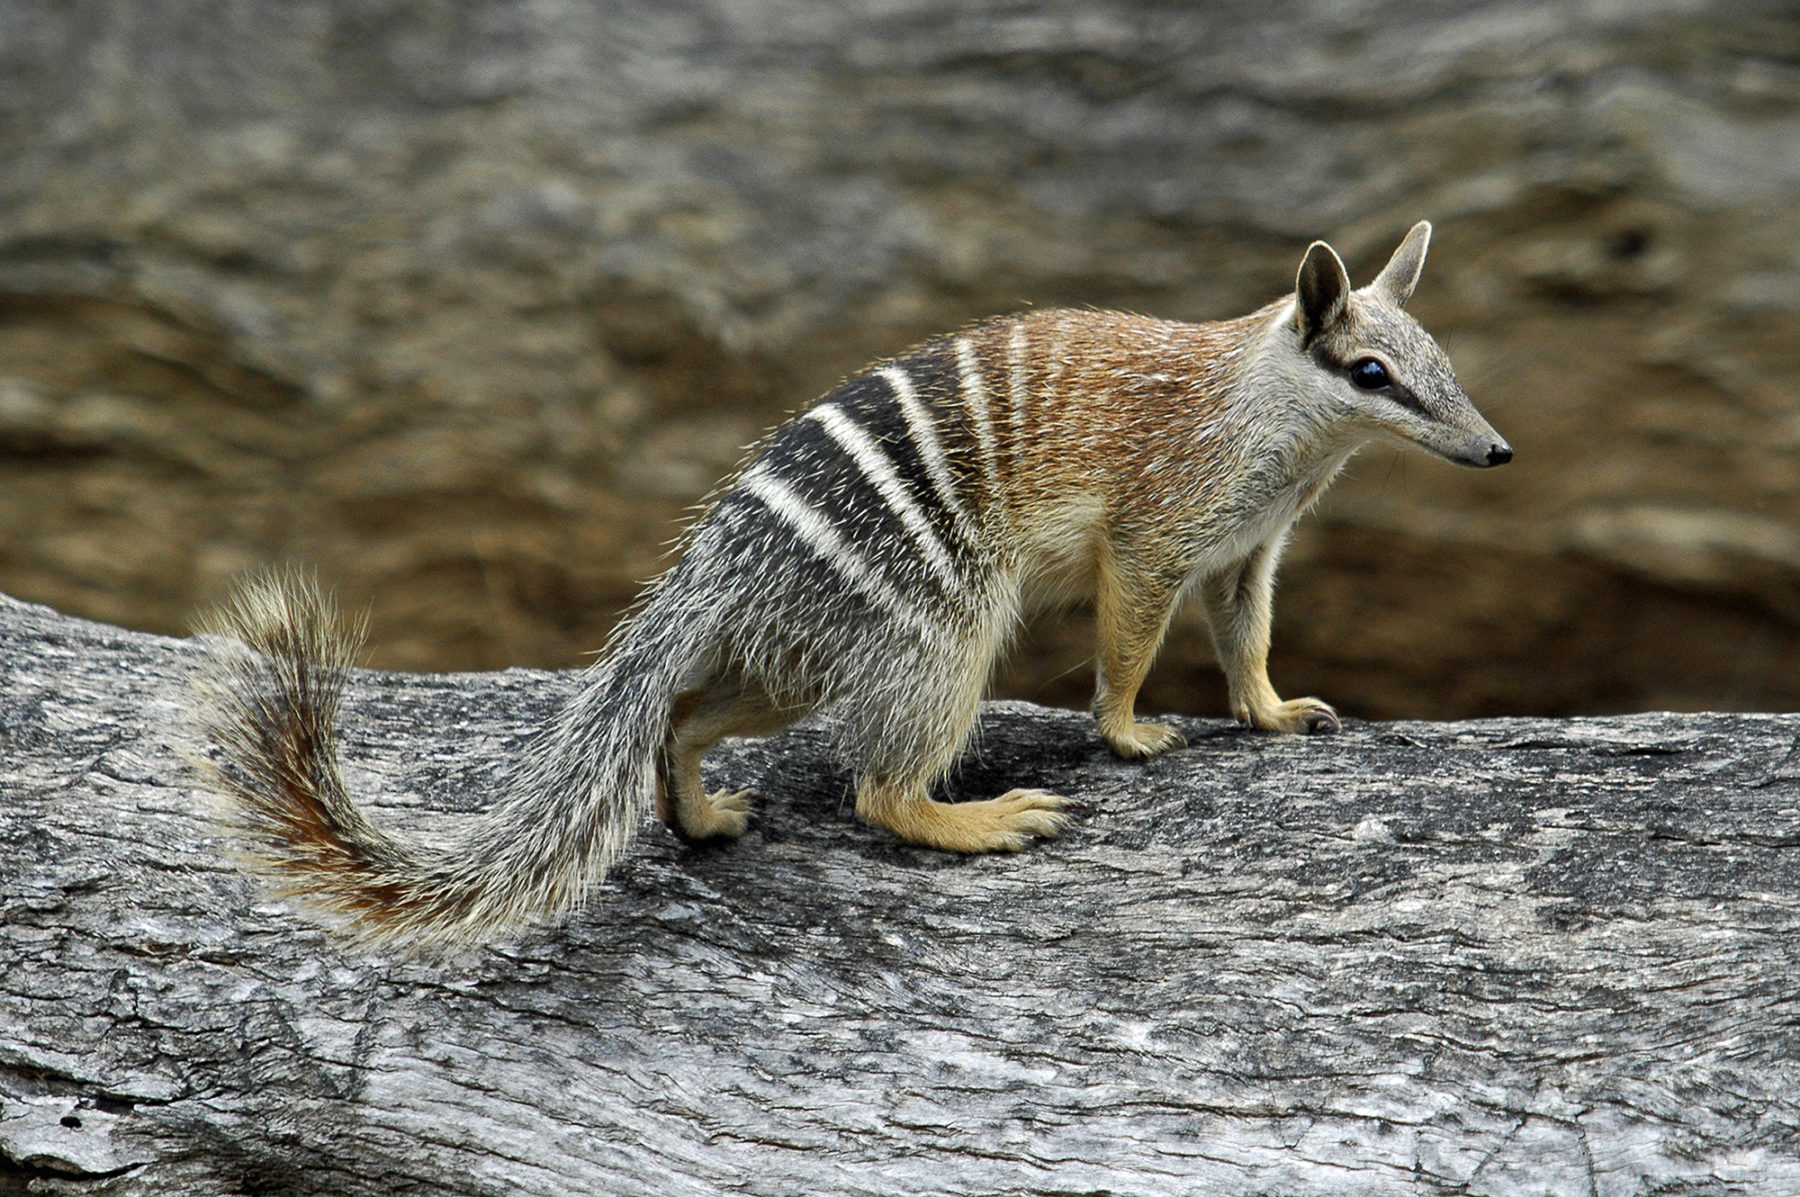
<point x="875" y="555"/>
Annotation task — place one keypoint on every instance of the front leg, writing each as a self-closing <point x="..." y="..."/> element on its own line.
<point x="1240" y="607"/>
<point x="1132" y="606"/>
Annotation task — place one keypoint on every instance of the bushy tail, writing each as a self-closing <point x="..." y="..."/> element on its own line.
<point x="269" y="696"/>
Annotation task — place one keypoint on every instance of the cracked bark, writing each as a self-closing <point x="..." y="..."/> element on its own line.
<point x="1495" y="957"/>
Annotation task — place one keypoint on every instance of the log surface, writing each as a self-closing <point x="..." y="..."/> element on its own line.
<point x="1497" y="957"/>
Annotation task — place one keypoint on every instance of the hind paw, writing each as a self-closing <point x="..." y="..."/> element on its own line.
<point x="724" y="815"/>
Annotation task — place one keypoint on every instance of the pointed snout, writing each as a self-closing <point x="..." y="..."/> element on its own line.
<point x="1478" y="448"/>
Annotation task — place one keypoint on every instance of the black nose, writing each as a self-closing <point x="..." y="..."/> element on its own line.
<point x="1499" y="454"/>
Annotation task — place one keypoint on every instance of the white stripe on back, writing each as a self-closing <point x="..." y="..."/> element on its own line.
<point x="975" y="399"/>
<point x="816" y="532"/>
<point x="880" y="472"/>
<point x="1015" y="371"/>
<point x="924" y="435"/>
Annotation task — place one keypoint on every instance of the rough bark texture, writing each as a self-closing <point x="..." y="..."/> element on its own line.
<point x="466" y="303"/>
<point x="1494" y="957"/>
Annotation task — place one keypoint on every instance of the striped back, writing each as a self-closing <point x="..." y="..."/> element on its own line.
<point x="914" y="485"/>
<point x="896" y="479"/>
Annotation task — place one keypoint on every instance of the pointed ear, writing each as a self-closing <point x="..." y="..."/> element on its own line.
<point x="1323" y="291"/>
<point x="1398" y="278"/>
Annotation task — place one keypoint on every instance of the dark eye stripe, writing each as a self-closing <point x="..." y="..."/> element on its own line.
<point x="1405" y="398"/>
<point x="1396" y="391"/>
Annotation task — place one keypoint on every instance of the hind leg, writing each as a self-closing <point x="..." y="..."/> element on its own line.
<point x="917" y="737"/>
<point x="698" y="720"/>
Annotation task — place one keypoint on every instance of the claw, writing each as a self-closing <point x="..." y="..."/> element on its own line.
<point x="1321" y="722"/>
<point x="725" y="815"/>
<point x="1308" y="716"/>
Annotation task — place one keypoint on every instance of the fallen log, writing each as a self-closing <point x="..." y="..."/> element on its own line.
<point x="1504" y="956"/>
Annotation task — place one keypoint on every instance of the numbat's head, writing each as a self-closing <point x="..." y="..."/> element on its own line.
<point x="1376" y="367"/>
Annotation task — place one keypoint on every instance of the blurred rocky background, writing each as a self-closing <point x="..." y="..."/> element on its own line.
<point x="467" y="304"/>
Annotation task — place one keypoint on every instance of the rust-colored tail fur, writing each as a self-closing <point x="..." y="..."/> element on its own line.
<point x="270" y="692"/>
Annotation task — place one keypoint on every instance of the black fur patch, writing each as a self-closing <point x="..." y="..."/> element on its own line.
<point x="827" y="477"/>
<point x="1326" y="356"/>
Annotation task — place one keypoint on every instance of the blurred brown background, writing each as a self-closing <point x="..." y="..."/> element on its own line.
<point x="465" y="304"/>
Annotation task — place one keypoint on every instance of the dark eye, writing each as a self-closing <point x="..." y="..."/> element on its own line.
<point x="1369" y="374"/>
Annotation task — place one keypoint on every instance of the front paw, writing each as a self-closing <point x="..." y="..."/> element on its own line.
<point x="1302" y="716"/>
<point x="1138" y="740"/>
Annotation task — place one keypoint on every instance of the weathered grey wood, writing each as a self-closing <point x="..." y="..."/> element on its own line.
<point x="1499" y="957"/>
